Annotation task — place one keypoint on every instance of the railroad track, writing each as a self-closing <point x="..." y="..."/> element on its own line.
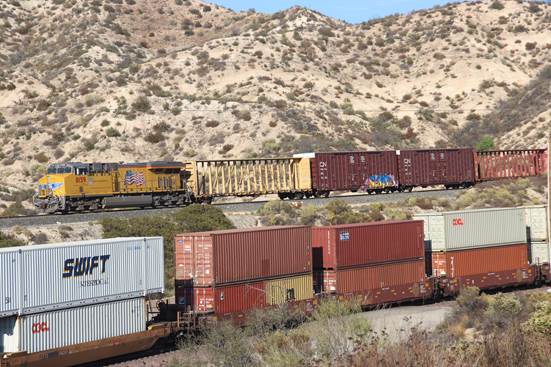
<point x="232" y="207"/>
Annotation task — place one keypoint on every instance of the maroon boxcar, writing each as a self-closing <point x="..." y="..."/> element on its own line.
<point x="495" y="165"/>
<point x="452" y="168"/>
<point x="350" y="245"/>
<point x="354" y="171"/>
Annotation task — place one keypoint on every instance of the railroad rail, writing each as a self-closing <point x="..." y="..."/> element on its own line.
<point x="230" y="207"/>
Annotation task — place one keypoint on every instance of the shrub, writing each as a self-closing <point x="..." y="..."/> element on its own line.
<point x="112" y="132"/>
<point x="7" y="240"/>
<point x="486" y="143"/>
<point x="540" y="320"/>
<point x="41" y="157"/>
<point x="469" y="301"/>
<point x="141" y="104"/>
<point x="277" y="212"/>
<point x="497" y="5"/>
<point x="154" y="137"/>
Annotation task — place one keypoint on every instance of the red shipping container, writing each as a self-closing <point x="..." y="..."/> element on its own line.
<point x="380" y="284"/>
<point x="496" y="165"/>
<point x="222" y="257"/>
<point x="351" y="245"/>
<point x="354" y="171"/>
<point x="480" y="260"/>
<point x="223" y="300"/>
<point x="449" y="167"/>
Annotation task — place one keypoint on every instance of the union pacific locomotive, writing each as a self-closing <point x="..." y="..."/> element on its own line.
<point x="91" y="186"/>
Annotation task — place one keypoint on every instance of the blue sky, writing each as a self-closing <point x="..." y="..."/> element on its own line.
<point x="353" y="11"/>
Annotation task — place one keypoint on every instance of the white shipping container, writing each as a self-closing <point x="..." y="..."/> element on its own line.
<point x="56" y="329"/>
<point x="48" y="277"/>
<point x="448" y="231"/>
<point x="540" y="252"/>
<point x="536" y="221"/>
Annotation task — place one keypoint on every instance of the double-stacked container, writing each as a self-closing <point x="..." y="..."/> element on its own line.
<point x="537" y="223"/>
<point x="381" y="262"/>
<point x="486" y="248"/>
<point x="231" y="272"/>
<point x="69" y="293"/>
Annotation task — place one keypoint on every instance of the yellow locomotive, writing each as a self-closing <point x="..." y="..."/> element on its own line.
<point x="92" y="186"/>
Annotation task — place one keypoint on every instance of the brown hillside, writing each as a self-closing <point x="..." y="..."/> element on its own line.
<point x="128" y="80"/>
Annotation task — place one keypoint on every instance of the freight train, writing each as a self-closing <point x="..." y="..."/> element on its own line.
<point x="76" y="187"/>
<point x="227" y="274"/>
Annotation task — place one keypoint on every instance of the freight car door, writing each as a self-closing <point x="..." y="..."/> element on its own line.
<point x="116" y="183"/>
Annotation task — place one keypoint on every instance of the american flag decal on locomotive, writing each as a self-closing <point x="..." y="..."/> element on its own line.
<point x="134" y="178"/>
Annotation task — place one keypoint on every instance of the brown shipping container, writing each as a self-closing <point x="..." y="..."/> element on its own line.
<point x="198" y="299"/>
<point x="222" y="257"/>
<point x="236" y="299"/>
<point x="380" y="283"/>
<point x="354" y="171"/>
<point x="436" y="167"/>
<point x="480" y="260"/>
<point x="351" y="245"/>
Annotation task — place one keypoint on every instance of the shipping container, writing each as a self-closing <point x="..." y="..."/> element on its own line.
<point x="56" y="276"/>
<point x="480" y="260"/>
<point x="249" y="177"/>
<point x="380" y="283"/>
<point x="540" y="252"/>
<point x="350" y="245"/>
<point x="55" y="329"/>
<point x="239" y="298"/>
<point x="354" y="171"/>
<point x="474" y="228"/>
<point x="494" y="165"/>
<point x="279" y="291"/>
<point x="537" y="222"/>
<point x="449" y="167"/>
<point x="232" y="256"/>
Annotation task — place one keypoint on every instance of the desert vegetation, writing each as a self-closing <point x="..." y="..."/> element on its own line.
<point x="504" y="329"/>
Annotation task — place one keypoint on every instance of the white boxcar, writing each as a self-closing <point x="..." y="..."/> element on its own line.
<point x="536" y="221"/>
<point x="474" y="228"/>
<point x="48" y="277"/>
<point x="540" y="252"/>
<point x="55" y="329"/>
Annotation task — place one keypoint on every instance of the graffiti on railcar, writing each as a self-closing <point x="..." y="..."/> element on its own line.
<point x="378" y="182"/>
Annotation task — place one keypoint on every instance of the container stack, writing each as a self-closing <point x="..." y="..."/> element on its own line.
<point x="63" y="294"/>
<point x="538" y="235"/>
<point x="486" y="248"/>
<point x="382" y="261"/>
<point x="234" y="271"/>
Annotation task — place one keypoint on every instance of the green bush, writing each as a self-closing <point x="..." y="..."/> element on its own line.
<point x="194" y="218"/>
<point x="278" y="212"/>
<point x="7" y="240"/>
<point x="485" y="143"/>
<point x="141" y="104"/>
<point x="540" y="320"/>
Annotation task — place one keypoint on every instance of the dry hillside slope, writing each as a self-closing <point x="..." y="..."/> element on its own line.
<point x="129" y="80"/>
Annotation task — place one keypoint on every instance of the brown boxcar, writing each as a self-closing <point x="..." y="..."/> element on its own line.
<point x="232" y="256"/>
<point x="351" y="245"/>
<point x="354" y="171"/>
<point x="379" y="283"/>
<point x="496" y="165"/>
<point x="448" y="167"/>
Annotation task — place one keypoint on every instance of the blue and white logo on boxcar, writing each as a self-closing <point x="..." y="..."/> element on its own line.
<point x="344" y="236"/>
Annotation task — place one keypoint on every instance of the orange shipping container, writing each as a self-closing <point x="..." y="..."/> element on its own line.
<point x="234" y="256"/>
<point x="480" y="260"/>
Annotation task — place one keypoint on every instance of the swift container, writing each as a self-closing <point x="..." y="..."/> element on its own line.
<point x="41" y="278"/>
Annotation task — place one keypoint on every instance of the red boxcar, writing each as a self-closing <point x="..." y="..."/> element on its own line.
<point x="354" y="171"/>
<point x="449" y="167"/>
<point x="351" y="245"/>
<point x="378" y="283"/>
<point x="222" y="257"/>
<point x="496" y="165"/>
